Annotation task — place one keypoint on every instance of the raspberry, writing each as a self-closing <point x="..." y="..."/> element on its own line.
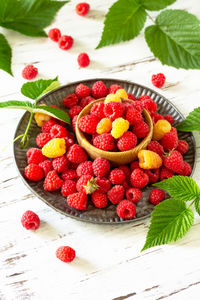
<point x="100" y="200"/>
<point x="78" y="201"/>
<point x="113" y="110"/>
<point x="101" y="167"/>
<point x="83" y="60"/>
<point x="68" y="142"/>
<point x="30" y="220"/>
<point x="103" y="184"/>
<point x="182" y="146"/>
<point x="60" y="163"/>
<point x="156" y="147"/>
<point x="52" y="181"/>
<point x="134" y="195"/>
<point x="46" y="127"/>
<point x="138" y="105"/>
<point x="85" y="168"/>
<point x="169" y="118"/>
<point x="104" y="141"/>
<point x="116" y="194"/>
<point x="131" y="97"/>
<point x="82" y="8"/>
<point x="70" y="100"/>
<point x="104" y="126"/>
<point x="29" y="72"/>
<point x="149" y="159"/>
<point x="126" y="209"/>
<point x="139" y="178"/>
<point x="117" y="176"/>
<point x="35" y="156"/>
<point x="73" y="165"/>
<point x="187" y="170"/>
<point x="156" y="196"/>
<point x="74" y="111"/>
<point x="97" y="109"/>
<point x="113" y="88"/>
<point x="121" y="93"/>
<point x="153" y="174"/>
<point x="82" y="91"/>
<point x="65" y="42"/>
<point x="54" y="34"/>
<point x="112" y="98"/>
<point x="76" y="154"/>
<point x="141" y="130"/>
<point x="85" y="101"/>
<point x="174" y="162"/>
<point x="86" y="184"/>
<point x="65" y="253"/>
<point x="54" y="148"/>
<point x="169" y="141"/>
<point x="126" y="171"/>
<point x="46" y="165"/>
<point x="127" y="105"/>
<point x="135" y="165"/>
<point x="58" y="131"/>
<point x="126" y="184"/>
<point x="99" y="90"/>
<point x="74" y="123"/>
<point x="160" y="129"/>
<point x="68" y="188"/>
<point x="127" y="141"/>
<point x="158" y="80"/>
<point x="149" y="105"/>
<point x="33" y="172"/>
<point x="156" y="117"/>
<point x="88" y="124"/>
<point x="69" y="174"/>
<point x="144" y="97"/>
<point x="119" y="127"/>
<point x="165" y="173"/>
<point x="42" y="139"/>
<point x="133" y="116"/>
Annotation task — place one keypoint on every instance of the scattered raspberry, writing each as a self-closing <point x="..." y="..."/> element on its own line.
<point x="74" y="123"/>
<point x="78" y="201"/>
<point x="42" y="138"/>
<point x="187" y="170"/>
<point x="113" y="110"/>
<point x="104" y="141"/>
<point x="169" y="118"/>
<point x="141" y="130"/>
<point x="133" y="116"/>
<point x="68" y="188"/>
<point x="113" y="88"/>
<point x="126" y="171"/>
<point x="117" y="176"/>
<point x="70" y="100"/>
<point x="88" y="124"/>
<point x="86" y="184"/>
<point x="46" y="127"/>
<point x="174" y="162"/>
<point x="104" y="126"/>
<point x="156" y="196"/>
<point x="76" y="154"/>
<point x="165" y="173"/>
<point x="46" y="165"/>
<point x="60" y="163"/>
<point x="116" y="194"/>
<point x="103" y="184"/>
<point x="97" y="109"/>
<point x="169" y="141"/>
<point x="127" y="105"/>
<point x="58" y="131"/>
<point x="82" y="91"/>
<point x="156" y="117"/>
<point x="119" y="127"/>
<point x="83" y="60"/>
<point x="85" y="101"/>
<point x="29" y="72"/>
<point x="30" y="220"/>
<point x="112" y="98"/>
<point x="139" y="178"/>
<point x="126" y="209"/>
<point x="153" y="174"/>
<point x="52" y="181"/>
<point x="99" y="90"/>
<point x="149" y="159"/>
<point x="134" y="195"/>
<point x="156" y="147"/>
<point x="54" y="34"/>
<point x="33" y="172"/>
<point x="138" y="105"/>
<point x="131" y="97"/>
<point x="35" y="156"/>
<point x="182" y="147"/>
<point x="65" y="42"/>
<point x="126" y="184"/>
<point x="74" y="111"/>
<point x="122" y="93"/>
<point x="127" y="141"/>
<point x="69" y="174"/>
<point x="160" y="129"/>
<point x="54" y="148"/>
<point x="68" y="142"/>
<point x="149" y="105"/>
<point x="65" y="253"/>
<point x="82" y="8"/>
<point x="101" y="167"/>
<point x="158" y="80"/>
<point x="85" y="168"/>
<point x="100" y="200"/>
<point x="135" y="165"/>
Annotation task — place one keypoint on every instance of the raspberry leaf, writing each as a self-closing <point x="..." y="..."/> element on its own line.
<point x="5" y="55"/>
<point x="197" y="205"/>
<point x="175" y="39"/>
<point x="170" y="221"/>
<point x="123" y="22"/>
<point x="192" y="122"/>
<point x="53" y="112"/>
<point x="156" y="4"/>
<point x="180" y="187"/>
<point x="17" y="105"/>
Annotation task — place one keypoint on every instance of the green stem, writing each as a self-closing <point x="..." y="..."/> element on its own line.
<point x="150" y="17"/>
<point x="191" y="203"/>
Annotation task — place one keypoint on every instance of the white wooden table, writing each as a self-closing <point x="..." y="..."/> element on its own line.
<point x="109" y="264"/>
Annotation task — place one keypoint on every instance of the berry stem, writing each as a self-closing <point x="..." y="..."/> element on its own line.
<point x="150" y="17"/>
<point x="191" y="203"/>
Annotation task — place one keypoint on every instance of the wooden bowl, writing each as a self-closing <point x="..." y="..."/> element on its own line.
<point x="119" y="158"/>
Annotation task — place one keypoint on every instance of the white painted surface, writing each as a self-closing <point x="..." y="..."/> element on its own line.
<point x="109" y="264"/>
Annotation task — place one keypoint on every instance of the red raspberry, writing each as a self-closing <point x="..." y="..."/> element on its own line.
<point x="82" y="91"/>
<point x="135" y="165"/>
<point x="42" y="138"/>
<point x="69" y="174"/>
<point x="29" y="72"/>
<point x="113" y="88"/>
<point x="88" y="124"/>
<point x="100" y="200"/>
<point x="46" y="127"/>
<point x="104" y="141"/>
<point x="70" y="100"/>
<point x="126" y="171"/>
<point x="65" y="253"/>
<point x="65" y="42"/>
<point x="117" y="176"/>
<point x="99" y="90"/>
<point x="169" y="141"/>
<point x="169" y="118"/>
<point x="35" y="156"/>
<point x="127" y="141"/>
<point x="165" y="173"/>
<point x="156" y="147"/>
<point x="131" y="97"/>
<point x="187" y="170"/>
<point x="52" y="181"/>
<point x="68" y="188"/>
<point x="113" y="110"/>
<point x="68" y="142"/>
<point x="126" y="184"/>
<point x="78" y="201"/>
<point x="73" y="165"/>
<point x="46" y="165"/>
<point x="156" y="196"/>
<point x="82" y="8"/>
<point x="86" y="184"/>
<point x="60" y="164"/>
<point x="103" y="184"/>
<point x="127" y="106"/>
<point x="156" y="117"/>
<point x="97" y="109"/>
<point x="85" y="101"/>
<point x="116" y="194"/>
<point x="83" y="60"/>
<point x="134" y="195"/>
<point x="85" y="168"/>
<point x="74" y="111"/>
<point x="144" y="97"/>
<point x="141" y="130"/>
<point x="138" y="105"/>
<point x="139" y="178"/>
<point x="133" y="116"/>
<point x="33" y="172"/>
<point x="153" y="174"/>
<point x="174" y="162"/>
<point x="76" y="154"/>
<point x="74" y="123"/>
<point x="30" y="220"/>
<point x="54" y="34"/>
<point x="58" y="131"/>
<point x="149" y="105"/>
<point x="158" y="80"/>
<point x="126" y="209"/>
<point x="182" y="146"/>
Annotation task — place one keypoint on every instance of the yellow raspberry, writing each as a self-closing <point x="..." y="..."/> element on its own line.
<point x="112" y="98"/>
<point x="41" y="118"/>
<point x="119" y="126"/>
<point x="121" y="93"/>
<point x="149" y="159"/>
<point x="54" y="148"/>
<point x="105" y="125"/>
<point x="160" y="128"/>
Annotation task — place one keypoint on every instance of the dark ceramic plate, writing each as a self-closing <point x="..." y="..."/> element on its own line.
<point x="92" y="214"/>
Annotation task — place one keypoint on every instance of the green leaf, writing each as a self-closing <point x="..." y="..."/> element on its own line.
<point x="123" y="22"/>
<point x="37" y="88"/>
<point x="28" y="17"/>
<point x="175" y="39"/>
<point x="53" y="112"/>
<point x="180" y="187"/>
<point x="197" y="205"/>
<point x="5" y="55"/>
<point x="170" y="221"/>
<point x="17" y="105"/>
<point x="192" y="122"/>
<point x="156" y="4"/>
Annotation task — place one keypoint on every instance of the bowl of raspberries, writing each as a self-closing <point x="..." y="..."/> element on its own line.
<point x="122" y="139"/>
